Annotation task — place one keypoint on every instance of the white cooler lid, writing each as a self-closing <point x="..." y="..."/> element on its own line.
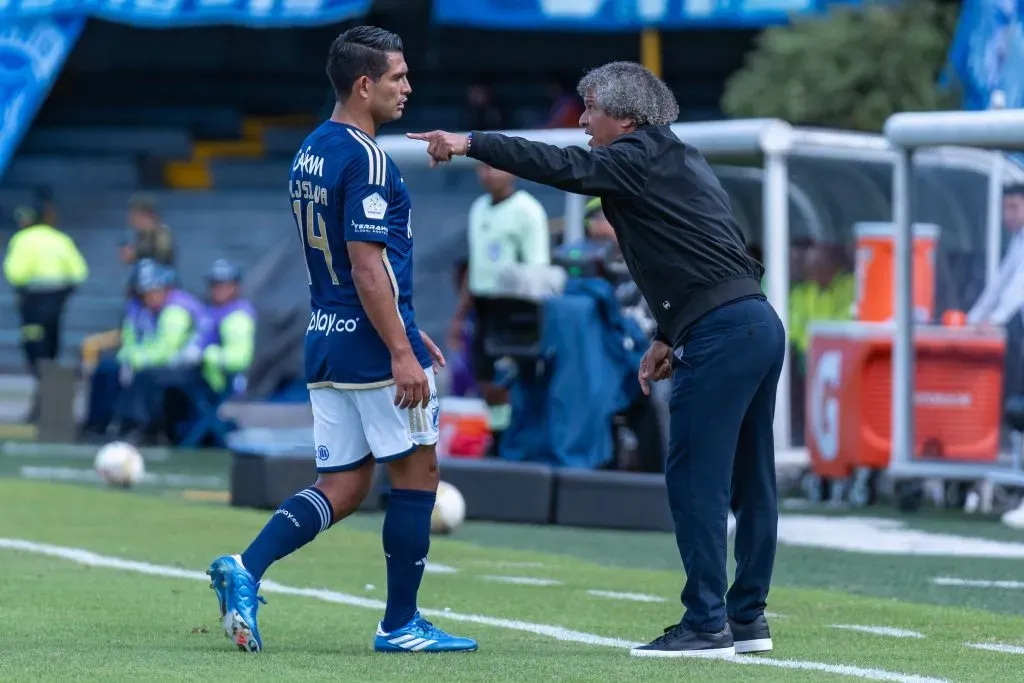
<point x="887" y="229"/>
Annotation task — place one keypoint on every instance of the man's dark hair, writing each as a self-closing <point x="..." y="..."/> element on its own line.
<point x="1011" y="190"/>
<point x="359" y="51"/>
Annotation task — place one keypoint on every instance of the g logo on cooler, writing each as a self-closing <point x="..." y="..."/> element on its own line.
<point x="828" y="374"/>
<point x="330" y="322"/>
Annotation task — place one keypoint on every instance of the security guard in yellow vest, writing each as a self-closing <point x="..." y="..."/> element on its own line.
<point x="44" y="267"/>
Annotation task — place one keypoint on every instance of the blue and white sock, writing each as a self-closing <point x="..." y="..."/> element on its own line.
<point x="406" y="536"/>
<point x="293" y="525"/>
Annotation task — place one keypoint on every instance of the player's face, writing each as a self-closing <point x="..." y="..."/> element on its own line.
<point x="389" y="94"/>
<point x="1013" y="212"/>
<point x="602" y="128"/>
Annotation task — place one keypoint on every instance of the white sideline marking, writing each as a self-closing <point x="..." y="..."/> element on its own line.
<point x="91" y="559"/>
<point x="838" y="669"/>
<point x="879" y="630"/>
<point x="522" y="580"/>
<point x="976" y="583"/>
<point x="775" y="615"/>
<point x="998" y="647"/>
<point x="436" y="568"/>
<point x="635" y="597"/>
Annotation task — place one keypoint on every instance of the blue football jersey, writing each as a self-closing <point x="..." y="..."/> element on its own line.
<point x="343" y="188"/>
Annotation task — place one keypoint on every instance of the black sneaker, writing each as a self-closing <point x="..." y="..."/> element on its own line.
<point x="680" y="641"/>
<point x="753" y="636"/>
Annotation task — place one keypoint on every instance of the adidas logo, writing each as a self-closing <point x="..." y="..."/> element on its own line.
<point x="411" y="643"/>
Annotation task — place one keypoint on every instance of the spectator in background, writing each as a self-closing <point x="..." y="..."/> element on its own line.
<point x="1003" y="297"/>
<point x="137" y="325"/>
<point x="827" y="293"/>
<point x="44" y="267"/>
<point x="230" y="338"/>
<point x="566" y="107"/>
<point x="483" y="114"/>
<point x="169" y="356"/>
<point x="151" y="238"/>
<point x="506" y="227"/>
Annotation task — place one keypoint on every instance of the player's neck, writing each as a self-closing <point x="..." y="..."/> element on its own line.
<point x="363" y="122"/>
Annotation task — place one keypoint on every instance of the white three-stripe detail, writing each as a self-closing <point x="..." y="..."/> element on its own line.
<point x="374" y="157"/>
<point x="321" y="507"/>
<point x="408" y="642"/>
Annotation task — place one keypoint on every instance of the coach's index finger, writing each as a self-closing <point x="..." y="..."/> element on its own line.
<point x="426" y="137"/>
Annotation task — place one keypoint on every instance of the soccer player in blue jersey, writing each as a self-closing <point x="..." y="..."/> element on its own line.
<point x="368" y="368"/>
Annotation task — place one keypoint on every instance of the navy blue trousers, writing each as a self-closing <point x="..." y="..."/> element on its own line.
<point x="722" y="455"/>
<point x="158" y="395"/>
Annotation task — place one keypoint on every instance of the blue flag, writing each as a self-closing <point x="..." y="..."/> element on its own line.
<point x="32" y="52"/>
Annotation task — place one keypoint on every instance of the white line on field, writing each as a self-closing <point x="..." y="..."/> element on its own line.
<point x="998" y="647"/>
<point x="879" y="630"/>
<point x="91" y="559"/>
<point x="522" y="580"/>
<point x="437" y="568"/>
<point x="976" y="583"/>
<point x="635" y="597"/>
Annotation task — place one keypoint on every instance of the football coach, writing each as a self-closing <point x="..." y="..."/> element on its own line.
<point x="718" y="338"/>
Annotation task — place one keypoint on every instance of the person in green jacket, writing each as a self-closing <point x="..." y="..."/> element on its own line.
<point x="229" y="339"/>
<point x="44" y="267"/>
<point x="167" y="358"/>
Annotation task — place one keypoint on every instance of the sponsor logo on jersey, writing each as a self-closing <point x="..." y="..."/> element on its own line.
<point x="330" y="322"/>
<point x="310" y="164"/>
<point x="370" y="227"/>
<point x="374" y="207"/>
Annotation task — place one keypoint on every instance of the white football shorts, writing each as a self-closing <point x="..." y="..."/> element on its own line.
<point x="352" y="425"/>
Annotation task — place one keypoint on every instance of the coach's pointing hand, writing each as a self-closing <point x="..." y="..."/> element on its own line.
<point x="442" y="145"/>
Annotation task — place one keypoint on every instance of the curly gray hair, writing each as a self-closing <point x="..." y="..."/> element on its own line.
<point x="627" y="90"/>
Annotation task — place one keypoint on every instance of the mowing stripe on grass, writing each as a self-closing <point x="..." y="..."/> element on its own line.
<point x="998" y="647"/>
<point x="522" y="580"/>
<point x="976" y="583"/>
<point x="879" y="630"/>
<point x="635" y="597"/>
<point x="91" y="559"/>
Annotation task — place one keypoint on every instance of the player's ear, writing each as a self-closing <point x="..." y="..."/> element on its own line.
<point x="362" y="86"/>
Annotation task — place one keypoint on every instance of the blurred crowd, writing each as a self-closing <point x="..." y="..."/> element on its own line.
<point x="176" y="356"/>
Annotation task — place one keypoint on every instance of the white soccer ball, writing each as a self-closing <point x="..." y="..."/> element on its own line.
<point x="119" y="464"/>
<point x="449" y="509"/>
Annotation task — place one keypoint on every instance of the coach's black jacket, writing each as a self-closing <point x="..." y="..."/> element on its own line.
<point x="670" y="213"/>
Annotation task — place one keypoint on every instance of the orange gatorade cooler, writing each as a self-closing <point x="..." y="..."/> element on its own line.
<point x="876" y="252"/>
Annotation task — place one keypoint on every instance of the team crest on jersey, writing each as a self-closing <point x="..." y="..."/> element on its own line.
<point x="374" y="207"/>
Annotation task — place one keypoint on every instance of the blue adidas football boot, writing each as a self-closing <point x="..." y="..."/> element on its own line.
<point x="419" y="635"/>
<point x="236" y="593"/>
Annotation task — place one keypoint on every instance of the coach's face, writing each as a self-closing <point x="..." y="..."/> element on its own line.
<point x="389" y="93"/>
<point x="602" y="128"/>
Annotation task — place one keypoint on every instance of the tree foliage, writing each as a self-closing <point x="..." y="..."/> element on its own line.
<point x="849" y="69"/>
